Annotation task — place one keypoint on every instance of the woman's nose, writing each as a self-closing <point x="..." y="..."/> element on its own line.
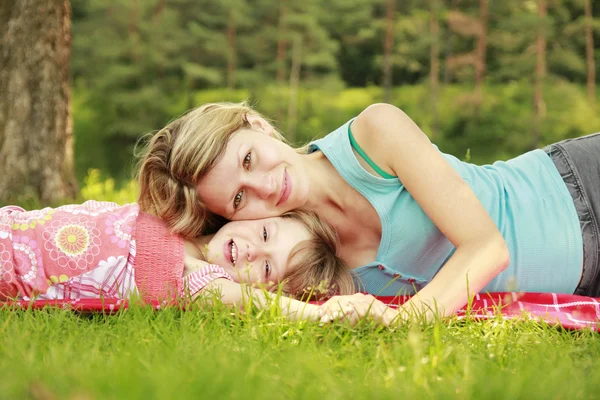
<point x="265" y="185"/>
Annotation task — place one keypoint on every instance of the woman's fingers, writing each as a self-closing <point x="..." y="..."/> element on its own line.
<point x="355" y="307"/>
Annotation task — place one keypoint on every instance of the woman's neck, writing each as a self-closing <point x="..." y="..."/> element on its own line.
<point x="352" y="216"/>
<point x="327" y="188"/>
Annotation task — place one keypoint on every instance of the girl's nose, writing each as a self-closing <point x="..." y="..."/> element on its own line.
<point x="253" y="252"/>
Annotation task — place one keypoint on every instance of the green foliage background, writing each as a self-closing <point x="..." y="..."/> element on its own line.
<point x="137" y="65"/>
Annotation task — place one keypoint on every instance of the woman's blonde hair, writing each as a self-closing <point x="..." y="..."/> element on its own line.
<point x="178" y="156"/>
<point x="315" y="271"/>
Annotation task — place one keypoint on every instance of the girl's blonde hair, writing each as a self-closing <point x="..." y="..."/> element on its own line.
<point x="315" y="271"/>
<point x="178" y="156"/>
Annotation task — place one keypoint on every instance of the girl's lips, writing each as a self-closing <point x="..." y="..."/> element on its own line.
<point x="227" y="251"/>
<point x="287" y="188"/>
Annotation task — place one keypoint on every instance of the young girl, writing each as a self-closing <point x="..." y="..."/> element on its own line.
<point x="101" y="249"/>
<point x="409" y="218"/>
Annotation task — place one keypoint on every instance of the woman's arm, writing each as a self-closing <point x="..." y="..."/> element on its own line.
<point x="397" y="144"/>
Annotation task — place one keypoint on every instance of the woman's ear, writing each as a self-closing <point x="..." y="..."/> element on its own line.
<point x="260" y="124"/>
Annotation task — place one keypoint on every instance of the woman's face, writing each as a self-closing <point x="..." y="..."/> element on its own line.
<point x="256" y="251"/>
<point x="257" y="177"/>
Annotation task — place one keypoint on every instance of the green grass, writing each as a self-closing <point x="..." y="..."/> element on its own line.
<point x="209" y="352"/>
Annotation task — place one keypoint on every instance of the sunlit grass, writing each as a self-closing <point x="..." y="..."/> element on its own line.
<point x="212" y="352"/>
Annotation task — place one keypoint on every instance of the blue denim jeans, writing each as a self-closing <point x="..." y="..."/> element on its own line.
<point x="578" y="162"/>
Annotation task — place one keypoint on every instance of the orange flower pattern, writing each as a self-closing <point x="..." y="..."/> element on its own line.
<point x="73" y="240"/>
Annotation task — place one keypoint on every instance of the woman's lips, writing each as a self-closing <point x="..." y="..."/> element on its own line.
<point x="287" y="188"/>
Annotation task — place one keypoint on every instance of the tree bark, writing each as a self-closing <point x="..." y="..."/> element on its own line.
<point x="36" y="152"/>
<point x="589" y="52"/>
<point x="540" y="74"/>
<point x="231" y="49"/>
<point x="388" y="45"/>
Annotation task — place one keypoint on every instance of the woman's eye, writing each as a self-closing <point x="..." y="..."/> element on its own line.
<point x="238" y="199"/>
<point x="247" y="160"/>
<point x="265" y="234"/>
<point x="267" y="269"/>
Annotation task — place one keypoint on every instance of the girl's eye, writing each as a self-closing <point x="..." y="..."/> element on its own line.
<point x="247" y="160"/>
<point x="267" y="269"/>
<point x="238" y="199"/>
<point x="265" y="234"/>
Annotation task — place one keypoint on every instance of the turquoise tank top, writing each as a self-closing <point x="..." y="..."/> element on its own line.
<point x="525" y="196"/>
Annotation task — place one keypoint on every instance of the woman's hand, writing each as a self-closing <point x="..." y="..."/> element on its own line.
<point x="351" y="308"/>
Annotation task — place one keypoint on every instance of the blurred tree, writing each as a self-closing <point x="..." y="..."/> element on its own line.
<point x="231" y="48"/>
<point x="434" y="61"/>
<point x="134" y="72"/>
<point x="36" y="154"/>
<point x="480" y="64"/>
<point x="211" y="48"/>
<point x="282" y="41"/>
<point x="477" y="27"/>
<point x="589" y="50"/>
<point x="305" y="19"/>
<point x="540" y="73"/>
<point x="292" y="115"/>
<point x="352" y="24"/>
<point x="450" y="40"/>
<point x="511" y="53"/>
<point x="388" y="44"/>
<point x="140" y="63"/>
<point x="413" y="39"/>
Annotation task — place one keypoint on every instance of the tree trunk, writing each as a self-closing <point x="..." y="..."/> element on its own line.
<point x="281" y="42"/>
<point x="133" y="31"/>
<point x="36" y="151"/>
<point x="388" y="44"/>
<point x="540" y="74"/>
<point x="434" y="74"/>
<point x="158" y="8"/>
<point x="294" y="85"/>
<point x="481" y="50"/>
<point x="589" y="52"/>
<point x="231" y="49"/>
<point x="449" y="46"/>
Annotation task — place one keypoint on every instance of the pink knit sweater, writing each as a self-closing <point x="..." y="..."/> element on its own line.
<point x="158" y="260"/>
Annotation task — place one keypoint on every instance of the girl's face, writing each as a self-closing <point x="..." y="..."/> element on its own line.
<point x="257" y="177"/>
<point x="256" y="251"/>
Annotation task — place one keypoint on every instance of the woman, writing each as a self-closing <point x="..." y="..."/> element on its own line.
<point x="409" y="218"/>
